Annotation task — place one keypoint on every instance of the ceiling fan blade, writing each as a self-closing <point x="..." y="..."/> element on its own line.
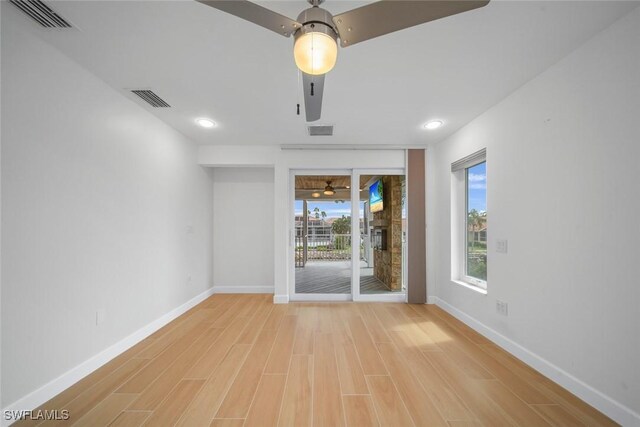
<point x="312" y="103"/>
<point x="386" y="16"/>
<point x="257" y="14"/>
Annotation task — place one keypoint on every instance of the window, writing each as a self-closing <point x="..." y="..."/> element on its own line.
<point x="476" y="225"/>
<point x="469" y="221"/>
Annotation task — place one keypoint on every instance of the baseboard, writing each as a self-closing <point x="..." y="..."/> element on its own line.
<point x="281" y="299"/>
<point x="243" y="289"/>
<point x="605" y="404"/>
<point x="66" y="380"/>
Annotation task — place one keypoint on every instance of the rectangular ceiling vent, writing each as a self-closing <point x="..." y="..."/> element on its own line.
<point x="151" y="98"/>
<point x="41" y="13"/>
<point x="321" y="130"/>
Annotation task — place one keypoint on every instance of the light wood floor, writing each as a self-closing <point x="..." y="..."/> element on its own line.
<point x="239" y="360"/>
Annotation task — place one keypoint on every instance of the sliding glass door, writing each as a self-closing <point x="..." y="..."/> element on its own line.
<point x="348" y="235"/>
<point x="381" y="225"/>
<point x="323" y="235"/>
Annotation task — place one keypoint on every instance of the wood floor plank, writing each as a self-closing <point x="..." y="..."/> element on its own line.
<point x="130" y="419"/>
<point x="205" y="405"/>
<point x="420" y="406"/>
<point x="210" y="360"/>
<point x="251" y="305"/>
<point x="250" y="333"/>
<point x="227" y="422"/>
<point x="464" y="424"/>
<point x="465" y="330"/>
<point x="265" y="409"/>
<point x="469" y="390"/>
<point x="171" y="409"/>
<point x="85" y="402"/>
<point x="512" y="405"/>
<point x="418" y="336"/>
<point x="175" y="330"/>
<point x="371" y="321"/>
<point x="352" y="379"/>
<point x="238" y="399"/>
<point x="367" y="351"/>
<point x="449" y="404"/>
<point x="359" y="411"/>
<point x="586" y="413"/>
<point x="59" y="401"/>
<point x="523" y="389"/>
<point x="389" y="406"/>
<point x="557" y="416"/>
<point x="278" y="362"/>
<point x="327" y="399"/>
<point x="388" y="317"/>
<point x="296" y="405"/>
<point x="303" y="343"/>
<point x="150" y="372"/>
<point x="151" y="397"/>
<point x="229" y="314"/>
<point x="275" y="317"/>
<point x="106" y="411"/>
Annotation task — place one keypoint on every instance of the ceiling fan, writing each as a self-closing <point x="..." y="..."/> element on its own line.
<point x="316" y="31"/>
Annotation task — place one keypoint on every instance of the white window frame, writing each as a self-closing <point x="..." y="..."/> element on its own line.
<point x="460" y="215"/>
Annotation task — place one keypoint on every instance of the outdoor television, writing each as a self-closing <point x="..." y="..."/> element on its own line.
<point x="375" y="196"/>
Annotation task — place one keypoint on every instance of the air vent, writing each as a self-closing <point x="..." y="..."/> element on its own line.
<point x="41" y="13"/>
<point x="151" y="98"/>
<point x="321" y="130"/>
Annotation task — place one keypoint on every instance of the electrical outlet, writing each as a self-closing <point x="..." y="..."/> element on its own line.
<point x="188" y="280"/>
<point x="101" y="316"/>
<point x="502" y="308"/>
<point x="501" y="246"/>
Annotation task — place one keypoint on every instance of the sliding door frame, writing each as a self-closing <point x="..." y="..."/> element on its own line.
<point x="355" y="232"/>
<point x="293" y="296"/>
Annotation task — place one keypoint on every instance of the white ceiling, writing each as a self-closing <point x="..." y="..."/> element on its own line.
<point x="206" y="63"/>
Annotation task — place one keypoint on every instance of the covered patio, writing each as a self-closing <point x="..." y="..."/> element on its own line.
<point x="334" y="277"/>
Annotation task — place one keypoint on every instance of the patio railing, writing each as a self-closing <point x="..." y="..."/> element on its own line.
<point x="333" y="247"/>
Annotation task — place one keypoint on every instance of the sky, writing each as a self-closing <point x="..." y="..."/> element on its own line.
<point x="333" y="209"/>
<point x="478" y="188"/>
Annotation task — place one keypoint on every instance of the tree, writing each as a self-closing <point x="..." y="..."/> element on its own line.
<point x="342" y="225"/>
<point x="317" y="213"/>
<point x="475" y="221"/>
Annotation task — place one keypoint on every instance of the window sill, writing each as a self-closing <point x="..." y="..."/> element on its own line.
<point x="470" y="286"/>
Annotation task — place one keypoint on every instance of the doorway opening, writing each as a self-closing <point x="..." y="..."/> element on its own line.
<point x="349" y="235"/>
<point x="384" y="232"/>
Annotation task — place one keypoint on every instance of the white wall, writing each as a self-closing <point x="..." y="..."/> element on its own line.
<point x="285" y="160"/>
<point x="98" y="200"/>
<point x="563" y="154"/>
<point x="243" y="230"/>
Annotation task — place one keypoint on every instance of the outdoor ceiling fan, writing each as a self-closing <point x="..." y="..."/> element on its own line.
<point x="316" y="31"/>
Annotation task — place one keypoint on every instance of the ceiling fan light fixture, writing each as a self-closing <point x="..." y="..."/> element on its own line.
<point x="328" y="190"/>
<point x="315" y="48"/>
<point x="315" y="53"/>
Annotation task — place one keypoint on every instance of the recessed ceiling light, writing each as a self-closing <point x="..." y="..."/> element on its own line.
<point x="206" y="123"/>
<point x="433" y="124"/>
<point x="315" y="195"/>
<point x="348" y="187"/>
